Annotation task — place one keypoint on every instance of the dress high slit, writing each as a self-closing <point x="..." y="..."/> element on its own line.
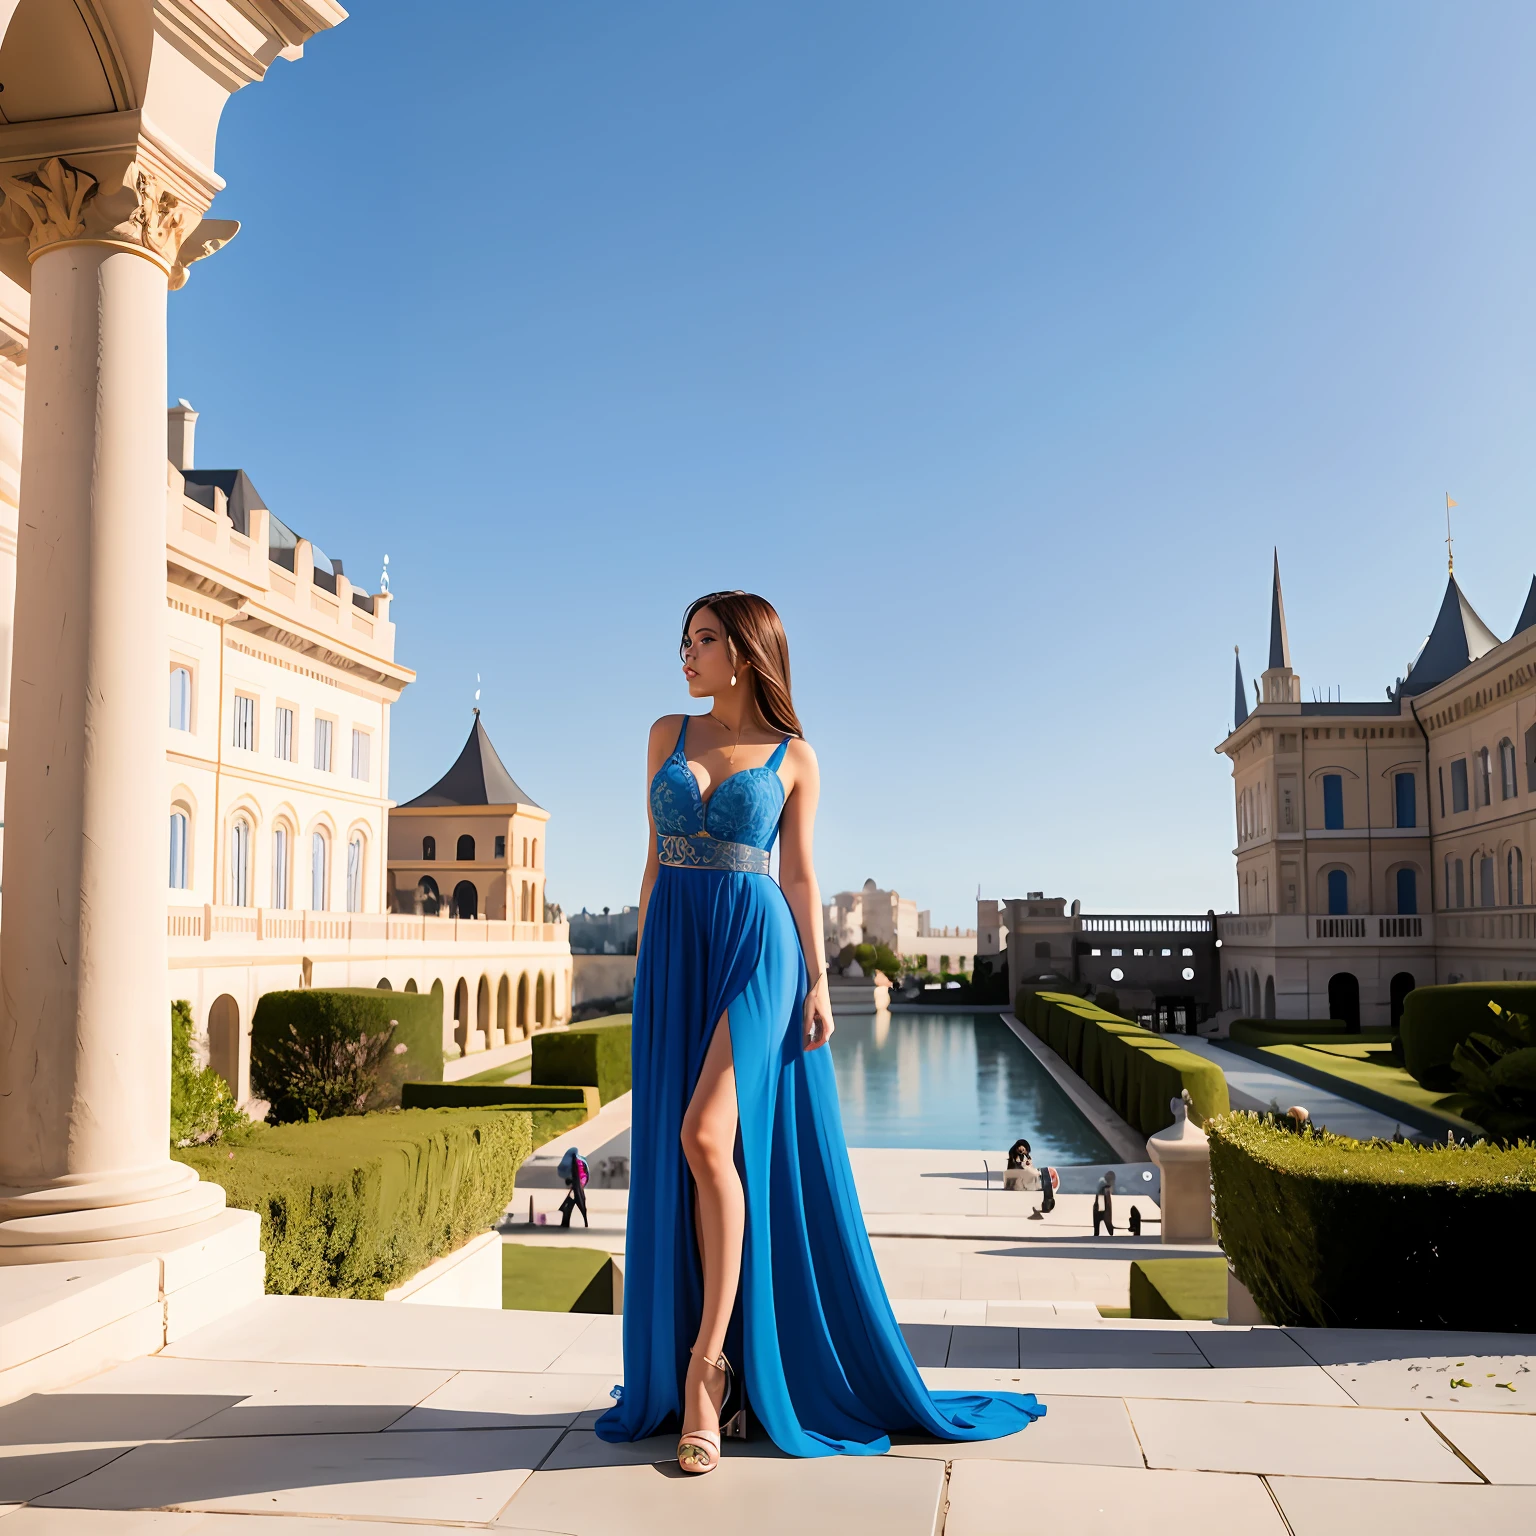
<point x="822" y="1360"/>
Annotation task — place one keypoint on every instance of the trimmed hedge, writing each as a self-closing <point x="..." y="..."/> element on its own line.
<point x="1289" y="1031"/>
<point x="1437" y="1019"/>
<point x="1179" y="1288"/>
<point x="1134" y="1070"/>
<point x="1330" y="1232"/>
<point x="498" y="1095"/>
<point x="356" y="1205"/>
<point x="597" y="1054"/>
<point x="540" y="1278"/>
<point x="418" y="1019"/>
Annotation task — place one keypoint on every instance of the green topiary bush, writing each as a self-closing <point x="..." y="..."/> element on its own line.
<point x="597" y="1053"/>
<point x="1495" y="1070"/>
<point x="1261" y="1032"/>
<point x="1437" y="1019"/>
<point x="499" y="1095"/>
<point x="305" y="1052"/>
<point x="1134" y="1070"/>
<point x="202" y="1106"/>
<point x="355" y="1206"/>
<point x="1330" y="1232"/>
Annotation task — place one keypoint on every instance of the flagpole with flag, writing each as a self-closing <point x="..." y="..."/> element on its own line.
<point x="1450" y="552"/>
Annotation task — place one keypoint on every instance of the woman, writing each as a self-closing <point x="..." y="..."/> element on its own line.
<point x="748" y="1275"/>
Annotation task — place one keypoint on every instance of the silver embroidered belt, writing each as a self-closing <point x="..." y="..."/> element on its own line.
<point x="683" y="851"/>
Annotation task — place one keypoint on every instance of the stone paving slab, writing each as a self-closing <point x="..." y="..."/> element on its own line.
<point x="1399" y="1369"/>
<point x="1091" y="1430"/>
<point x="1294" y="1441"/>
<point x="1317" y="1506"/>
<point x="28" y="1472"/>
<point x="113" y="1522"/>
<point x="999" y="1498"/>
<point x="319" y="1330"/>
<point x="508" y="1400"/>
<point x="744" y="1496"/>
<point x="597" y="1349"/>
<point x="244" y="1397"/>
<point x="465" y="1477"/>
<point x="1280" y="1384"/>
<point x="1501" y="1446"/>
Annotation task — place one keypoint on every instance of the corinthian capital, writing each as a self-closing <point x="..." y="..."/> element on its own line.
<point x="51" y="200"/>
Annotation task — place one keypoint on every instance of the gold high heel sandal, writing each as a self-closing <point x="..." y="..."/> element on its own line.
<point x="698" y="1451"/>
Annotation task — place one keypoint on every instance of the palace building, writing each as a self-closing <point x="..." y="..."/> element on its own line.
<point x="1384" y="845"/>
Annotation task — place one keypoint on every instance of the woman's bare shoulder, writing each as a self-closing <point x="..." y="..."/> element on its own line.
<point x="801" y="755"/>
<point x="667" y="728"/>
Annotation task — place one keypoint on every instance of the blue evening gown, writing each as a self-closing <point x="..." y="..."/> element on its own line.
<point x="823" y="1362"/>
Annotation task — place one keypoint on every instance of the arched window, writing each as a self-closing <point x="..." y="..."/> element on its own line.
<point x="178" y="850"/>
<point x="429" y="850"/>
<point x="535" y="853"/>
<point x="355" y="873"/>
<point x="1405" y="801"/>
<point x="281" y="899"/>
<point x="1333" y="801"/>
<point x="466" y="899"/>
<point x="1407" y="892"/>
<point x="429" y="899"/>
<point x="1509" y="780"/>
<point x="1484" y="777"/>
<point x="240" y="863"/>
<point x="1514" y="877"/>
<point x="181" y="699"/>
<point x="319" y="872"/>
<point x="1269" y="997"/>
<point x="466" y="850"/>
<point x="1460" y="882"/>
<point x="1487" y="896"/>
<point x="1338" y="893"/>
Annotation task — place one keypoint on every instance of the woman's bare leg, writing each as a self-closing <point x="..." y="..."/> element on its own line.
<point x="720" y="1215"/>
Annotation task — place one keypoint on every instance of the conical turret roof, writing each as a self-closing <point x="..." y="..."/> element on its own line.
<point x="1240" y="696"/>
<point x="1279" y="641"/>
<point x="1527" y="619"/>
<point x="478" y="777"/>
<point x="1457" y="640"/>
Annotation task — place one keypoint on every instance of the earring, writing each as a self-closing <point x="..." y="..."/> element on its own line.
<point x="733" y="679"/>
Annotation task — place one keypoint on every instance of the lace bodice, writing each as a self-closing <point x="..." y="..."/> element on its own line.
<point x="744" y="808"/>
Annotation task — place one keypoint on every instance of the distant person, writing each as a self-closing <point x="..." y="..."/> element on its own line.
<point x="731" y="1012"/>
<point x="574" y="1170"/>
<point x="1104" y="1204"/>
<point x="1019" y="1154"/>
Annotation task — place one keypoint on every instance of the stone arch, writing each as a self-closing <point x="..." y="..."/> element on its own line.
<point x="410" y="985"/>
<point x="466" y="899"/>
<point x="465" y="850"/>
<point x="483" y="1009"/>
<point x="524" y="1024"/>
<point x="428" y="900"/>
<point x="382" y="985"/>
<point x="504" y="1010"/>
<point x="1269" y="997"/>
<point x="1344" y="999"/>
<point x="540" y="1016"/>
<point x="224" y="1040"/>
<point x="461" y="1015"/>
<point x="1399" y="988"/>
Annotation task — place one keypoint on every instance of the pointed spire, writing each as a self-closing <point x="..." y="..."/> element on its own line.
<point x="1279" y="641"/>
<point x="1457" y="640"/>
<point x="478" y="777"/>
<point x="1527" y="619"/>
<point x="1240" y="697"/>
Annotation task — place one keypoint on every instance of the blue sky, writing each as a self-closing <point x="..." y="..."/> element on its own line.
<point x="996" y="344"/>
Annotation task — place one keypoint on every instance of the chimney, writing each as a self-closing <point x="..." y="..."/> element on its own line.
<point x="181" y="427"/>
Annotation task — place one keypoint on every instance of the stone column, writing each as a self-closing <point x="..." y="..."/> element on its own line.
<point x="84" y="1031"/>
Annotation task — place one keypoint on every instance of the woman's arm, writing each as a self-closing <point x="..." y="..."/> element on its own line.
<point x="658" y="750"/>
<point x="797" y="879"/>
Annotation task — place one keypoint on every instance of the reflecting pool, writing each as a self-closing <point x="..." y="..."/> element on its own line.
<point x="956" y="1080"/>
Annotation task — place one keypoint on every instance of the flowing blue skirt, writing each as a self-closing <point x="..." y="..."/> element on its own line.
<point x="824" y="1364"/>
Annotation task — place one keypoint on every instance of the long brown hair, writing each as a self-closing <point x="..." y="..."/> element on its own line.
<point x="756" y="636"/>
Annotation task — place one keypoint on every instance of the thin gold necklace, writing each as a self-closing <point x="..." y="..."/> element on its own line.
<point x="730" y="762"/>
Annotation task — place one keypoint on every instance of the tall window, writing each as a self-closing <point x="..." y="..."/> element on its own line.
<point x="1459" y="800"/>
<point x="280" y="856"/>
<point x="282" y="733"/>
<point x="355" y="873"/>
<point x="1407" y="892"/>
<point x="1487" y="896"/>
<point x="1530" y="760"/>
<point x="429" y="849"/>
<point x="1514" y="877"/>
<point x="323" y="745"/>
<point x="1338" y="893"/>
<point x="360" y="754"/>
<point x="178" y="851"/>
<point x="240" y="863"/>
<point x="1440" y="774"/>
<point x="1405" y="800"/>
<point x="501" y="845"/>
<point x="1509" y="782"/>
<point x="245" y="722"/>
<point x="1333" y="801"/>
<point x="466" y="851"/>
<point x="1484" y="777"/>
<point x="535" y="853"/>
<point x="181" y="699"/>
<point x="320" y="874"/>
<point x="1455" y="883"/>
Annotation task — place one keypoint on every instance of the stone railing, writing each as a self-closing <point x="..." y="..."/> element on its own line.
<point x="261" y="925"/>
<point x="1488" y="925"/>
<point x="1285" y="930"/>
<point x="1195" y="922"/>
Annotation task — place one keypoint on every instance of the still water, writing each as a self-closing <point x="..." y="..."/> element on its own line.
<point x="956" y="1080"/>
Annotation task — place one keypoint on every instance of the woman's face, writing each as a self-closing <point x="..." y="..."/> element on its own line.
<point x="706" y="656"/>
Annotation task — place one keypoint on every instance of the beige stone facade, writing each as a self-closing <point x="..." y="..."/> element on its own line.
<point x="873" y="916"/>
<point x="1385" y="845"/>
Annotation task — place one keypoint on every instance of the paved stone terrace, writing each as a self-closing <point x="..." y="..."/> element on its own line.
<point x="346" y="1418"/>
